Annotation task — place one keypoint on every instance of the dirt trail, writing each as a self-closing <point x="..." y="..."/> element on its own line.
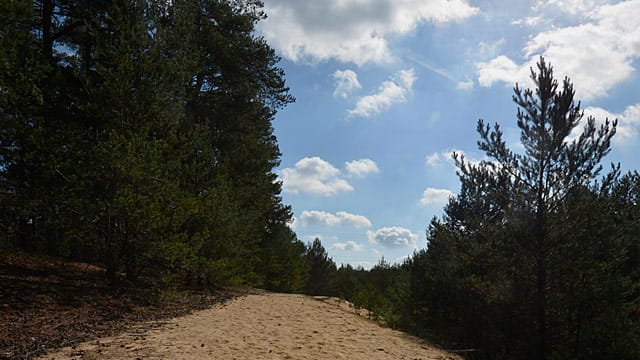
<point x="261" y="326"/>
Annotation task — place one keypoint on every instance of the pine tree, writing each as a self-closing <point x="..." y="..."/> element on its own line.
<point x="282" y="263"/>
<point x="321" y="270"/>
<point x="234" y="91"/>
<point x="497" y="268"/>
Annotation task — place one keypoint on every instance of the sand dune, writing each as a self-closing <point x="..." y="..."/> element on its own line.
<point x="261" y="326"/>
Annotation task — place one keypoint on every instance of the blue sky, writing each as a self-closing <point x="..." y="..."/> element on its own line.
<point x="387" y="89"/>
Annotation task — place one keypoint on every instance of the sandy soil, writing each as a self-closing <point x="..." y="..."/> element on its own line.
<point x="261" y="326"/>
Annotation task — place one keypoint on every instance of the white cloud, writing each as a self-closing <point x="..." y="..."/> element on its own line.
<point x="465" y="85"/>
<point x="628" y="122"/>
<point x="346" y="81"/>
<point x="315" y="176"/>
<point x="437" y="158"/>
<point x="293" y="223"/>
<point x="433" y="159"/>
<point x="406" y="78"/>
<point x="361" y="168"/>
<point x="393" y="237"/>
<point x="348" y="246"/>
<point x="530" y="21"/>
<point x="433" y="196"/>
<point x="501" y="69"/>
<point x="352" y="31"/>
<point x="571" y="7"/>
<point x="341" y="218"/>
<point x="389" y="93"/>
<point x="596" y="55"/>
<point x="446" y="157"/>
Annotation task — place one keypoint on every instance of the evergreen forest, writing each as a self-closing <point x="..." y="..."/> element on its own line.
<point x="137" y="136"/>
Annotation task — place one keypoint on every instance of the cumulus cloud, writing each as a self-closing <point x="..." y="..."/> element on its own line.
<point x="597" y="54"/>
<point x="501" y="69"/>
<point x="393" y="237"/>
<point x="346" y="81"/>
<point x="315" y="176"/>
<point x="390" y="92"/>
<point x="433" y="196"/>
<point x="341" y="218"/>
<point x="348" y="246"/>
<point x="361" y="168"/>
<point x="350" y="30"/>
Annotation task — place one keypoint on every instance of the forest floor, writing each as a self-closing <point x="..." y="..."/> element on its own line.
<point x="61" y="310"/>
<point x="47" y="304"/>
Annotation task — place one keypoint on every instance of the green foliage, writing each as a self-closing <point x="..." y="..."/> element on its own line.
<point x="321" y="270"/>
<point x="530" y="258"/>
<point x="138" y="135"/>
<point x="283" y="265"/>
<point x="382" y="290"/>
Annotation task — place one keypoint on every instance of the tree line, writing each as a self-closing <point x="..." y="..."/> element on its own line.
<point x="138" y="135"/>
<point x="537" y="256"/>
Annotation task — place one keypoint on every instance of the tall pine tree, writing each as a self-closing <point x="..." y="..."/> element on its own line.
<point x="504" y="273"/>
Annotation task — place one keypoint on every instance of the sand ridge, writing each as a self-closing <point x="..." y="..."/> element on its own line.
<point x="262" y="326"/>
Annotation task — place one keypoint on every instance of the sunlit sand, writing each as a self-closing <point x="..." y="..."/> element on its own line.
<point x="262" y="326"/>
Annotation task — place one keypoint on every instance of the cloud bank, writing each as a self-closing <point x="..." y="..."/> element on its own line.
<point x="597" y="54"/>
<point x="350" y="31"/>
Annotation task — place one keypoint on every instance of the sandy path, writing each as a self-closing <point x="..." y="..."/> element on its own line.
<point x="265" y="326"/>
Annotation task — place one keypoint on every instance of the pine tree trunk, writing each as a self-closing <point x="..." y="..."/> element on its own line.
<point x="541" y="282"/>
<point x="541" y="304"/>
<point x="47" y="36"/>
